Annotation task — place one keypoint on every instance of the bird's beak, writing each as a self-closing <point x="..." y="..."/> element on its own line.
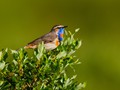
<point x="65" y="26"/>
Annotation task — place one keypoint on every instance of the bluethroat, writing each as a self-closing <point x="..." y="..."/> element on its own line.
<point x="51" y="40"/>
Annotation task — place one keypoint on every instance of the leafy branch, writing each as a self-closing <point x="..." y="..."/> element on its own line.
<point x="44" y="70"/>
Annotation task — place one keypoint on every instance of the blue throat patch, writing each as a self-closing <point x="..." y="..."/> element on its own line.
<point x="61" y="31"/>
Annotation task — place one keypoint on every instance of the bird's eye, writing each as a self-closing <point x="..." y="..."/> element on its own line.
<point x="58" y="27"/>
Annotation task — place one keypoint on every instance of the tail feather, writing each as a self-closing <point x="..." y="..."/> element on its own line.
<point x="30" y="46"/>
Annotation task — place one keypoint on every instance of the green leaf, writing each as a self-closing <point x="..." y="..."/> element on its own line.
<point x="22" y="54"/>
<point x="74" y="77"/>
<point x="1" y="55"/>
<point x="80" y="86"/>
<point x="2" y="65"/>
<point x="67" y="83"/>
<point x="1" y="82"/>
<point x="66" y="33"/>
<point x="41" y="49"/>
<point x="79" y="43"/>
<point x="77" y="62"/>
<point x="71" y="52"/>
<point x="14" y="51"/>
<point x="76" y="30"/>
<point x="15" y="62"/>
<point x="61" y="54"/>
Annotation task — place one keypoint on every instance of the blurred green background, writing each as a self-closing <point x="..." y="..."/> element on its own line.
<point x="99" y="21"/>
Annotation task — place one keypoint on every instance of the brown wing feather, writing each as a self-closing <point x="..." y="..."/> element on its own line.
<point x="45" y="38"/>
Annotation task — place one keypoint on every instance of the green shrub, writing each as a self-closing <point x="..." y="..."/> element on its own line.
<point x="44" y="70"/>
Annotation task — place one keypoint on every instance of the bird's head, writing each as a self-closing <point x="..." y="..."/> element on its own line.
<point x="59" y="29"/>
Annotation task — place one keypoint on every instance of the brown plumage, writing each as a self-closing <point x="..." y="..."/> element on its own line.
<point x="47" y="38"/>
<point x="50" y="39"/>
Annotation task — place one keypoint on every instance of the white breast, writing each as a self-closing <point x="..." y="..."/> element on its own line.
<point x="52" y="45"/>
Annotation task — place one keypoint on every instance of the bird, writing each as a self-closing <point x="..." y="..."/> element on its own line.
<point x="51" y="40"/>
